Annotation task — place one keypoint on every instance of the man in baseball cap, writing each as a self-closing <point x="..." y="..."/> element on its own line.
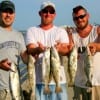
<point x="38" y="39"/>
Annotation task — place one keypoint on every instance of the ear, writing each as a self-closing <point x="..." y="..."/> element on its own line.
<point x="98" y="30"/>
<point x="39" y="13"/>
<point x="88" y="15"/>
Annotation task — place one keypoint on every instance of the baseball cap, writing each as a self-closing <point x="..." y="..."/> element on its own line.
<point x="7" y="5"/>
<point x="46" y="4"/>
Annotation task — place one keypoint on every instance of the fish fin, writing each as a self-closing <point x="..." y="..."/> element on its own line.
<point x="70" y="83"/>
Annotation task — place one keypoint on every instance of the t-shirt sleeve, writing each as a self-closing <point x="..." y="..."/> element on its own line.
<point x="64" y="36"/>
<point x="29" y="37"/>
<point x="22" y="43"/>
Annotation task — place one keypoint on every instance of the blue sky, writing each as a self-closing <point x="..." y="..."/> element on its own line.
<point x="27" y="12"/>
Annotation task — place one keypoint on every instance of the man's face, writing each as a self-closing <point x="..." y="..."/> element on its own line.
<point x="47" y="15"/>
<point x="81" y="19"/>
<point x="7" y="17"/>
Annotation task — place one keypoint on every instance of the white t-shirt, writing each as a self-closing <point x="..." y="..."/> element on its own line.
<point x="47" y="38"/>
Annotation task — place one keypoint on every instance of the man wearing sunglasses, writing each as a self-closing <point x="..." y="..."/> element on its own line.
<point x="37" y="40"/>
<point x="86" y="34"/>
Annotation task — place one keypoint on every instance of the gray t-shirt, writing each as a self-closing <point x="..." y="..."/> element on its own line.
<point x="11" y="45"/>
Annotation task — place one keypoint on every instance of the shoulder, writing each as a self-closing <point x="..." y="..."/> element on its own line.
<point x="61" y="30"/>
<point x="98" y="30"/>
<point x="33" y="29"/>
<point x="18" y="33"/>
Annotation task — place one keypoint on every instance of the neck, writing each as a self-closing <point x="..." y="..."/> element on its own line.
<point x="84" y="32"/>
<point x="46" y="27"/>
<point x="8" y="28"/>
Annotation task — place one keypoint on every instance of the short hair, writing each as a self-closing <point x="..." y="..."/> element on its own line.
<point x="77" y="8"/>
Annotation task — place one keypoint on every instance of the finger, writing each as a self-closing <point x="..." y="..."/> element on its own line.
<point x="5" y="60"/>
<point x="9" y="63"/>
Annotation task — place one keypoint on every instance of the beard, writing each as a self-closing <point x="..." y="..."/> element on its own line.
<point x="82" y="26"/>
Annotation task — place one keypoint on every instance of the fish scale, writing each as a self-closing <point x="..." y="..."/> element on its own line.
<point x="15" y="85"/>
<point x="88" y="66"/>
<point x="46" y="71"/>
<point x="31" y="77"/>
<point x="72" y="66"/>
<point x="55" y="68"/>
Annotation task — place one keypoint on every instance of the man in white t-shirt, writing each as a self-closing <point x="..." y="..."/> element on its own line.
<point x="37" y="39"/>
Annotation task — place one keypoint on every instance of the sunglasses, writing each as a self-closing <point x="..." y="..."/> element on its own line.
<point x="45" y="11"/>
<point x="79" y="17"/>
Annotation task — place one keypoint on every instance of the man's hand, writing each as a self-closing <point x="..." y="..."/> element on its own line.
<point x="5" y="65"/>
<point x="63" y="48"/>
<point x="41" y="48"/>
<point x="93" y="48"/>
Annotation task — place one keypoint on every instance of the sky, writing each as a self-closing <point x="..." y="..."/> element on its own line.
<point x="27" y="12"/>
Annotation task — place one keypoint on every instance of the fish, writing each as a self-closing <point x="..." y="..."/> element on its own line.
<point x="31" y="77"/>
<point x="72" y="66"/>
<point x="46" y="70"/>
<point x="15" y="85"/>
<point x="55" y="68"/>
<point x="88" y="66"/>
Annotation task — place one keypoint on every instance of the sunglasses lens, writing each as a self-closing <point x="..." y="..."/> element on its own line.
<point x="79" y="17"/>
<point x="48" y="11"/>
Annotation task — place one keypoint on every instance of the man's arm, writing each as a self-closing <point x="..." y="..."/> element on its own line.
<point x="24" y="56"/>
<point x="95" y="47"/>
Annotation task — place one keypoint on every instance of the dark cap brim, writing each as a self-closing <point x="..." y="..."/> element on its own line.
<point x="7" y="7"/>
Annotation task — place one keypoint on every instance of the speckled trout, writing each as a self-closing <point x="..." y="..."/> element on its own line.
<point x="31" y="77"/>
<point x="15" y="85"/>
<point x="88" y="66"/>
<point x="46" y="70"/>
<point x="55" y="68"/>
<point x="72" y="66"/>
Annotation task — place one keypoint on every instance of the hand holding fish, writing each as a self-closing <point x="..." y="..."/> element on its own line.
<point x="93" y="48"/>
<point x="41" y="48"/>
<point x="62" y="48"/>
<point x="5" y="64"/>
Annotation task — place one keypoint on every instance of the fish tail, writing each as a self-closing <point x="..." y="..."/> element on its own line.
<point x="58" y="89"/>
<point x="89" y="83"/>
<point x="47" y="90"/>
<point x="70" y="83"/>
<point x="32" y="96"/>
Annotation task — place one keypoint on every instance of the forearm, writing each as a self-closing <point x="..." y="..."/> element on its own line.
<point x="64" y="50"/>
<point x="33" y="51"/>
<point x="97" y="47"/>
<point x="24" y="57"/>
